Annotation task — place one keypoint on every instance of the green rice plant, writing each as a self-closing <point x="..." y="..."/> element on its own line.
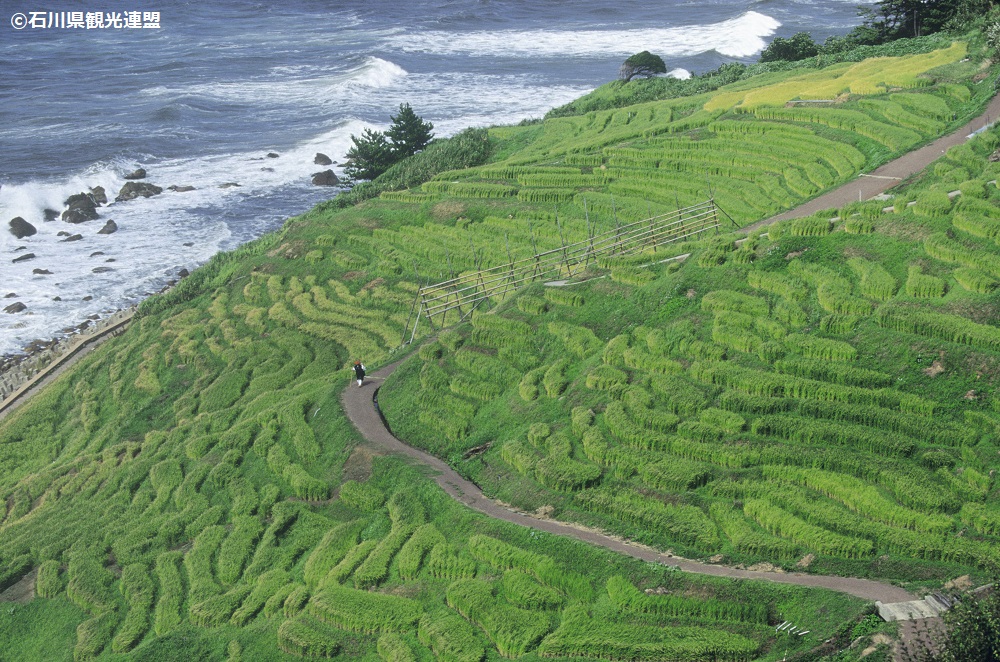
<point x="167" y="615"/>
<point x="674" y="474"/>
<point x="237" y="548"/>
<point x="138" y="590"/>
<point x="606" y="378"/>
<point x="630" y="434"/>
<point x="347" y="565"/>
<point x="951" y="328"/>
<point x="304" y="485"/>
<point x="375" y="567"/>
<point x="218" y="609"/>
<point x="860" y="497"/>
<point x="875" y="281"/>
<point x="750" y="404"/>
<point x="636" y="358"/>
<point x="450" y="637"/>
<point x="790" y="313"/>
<point x="824" y="349"/>
<point x="470" y="190"/>
<point x="563" y="297"/>
<point x="266" y="586"/>
<point x="275" y="604"/>
<point x="512" y="630"/>
<point x="363" y="496"/>
<point x="504" y="556"/>
<point x="528" y="386"/>
<point x="48" y="583"/>
<point x="627" y="598"/>
<point x="413" y="552"/>
<point x="632" y="276"/>
<point x="94" y="634"/>
<point x="932" y="203"/>
<point x="840" y="325"/>
<point x="939" y="246"/>
<point x="445" y="562"/>
<point x="579" y="340"/>
<point x="391" y="647"/>
<point x="581" y="419"/>
<point x="364" y="611"/>
<point x="198" y="563"/>
<point x="748" y="539"/>
<point x="639" y="404"/>
<point x="678" y="395"/>
<point x="579" y="635"/>
<point x="330" y="551"/>
<point x="731" y="301"/>
<point x="974" y="280"/>
<point x="531" y="305"/>
<point x="922" y="286"/>
<point x="451" y="339"/>
<point x="686" y="524"/>
<point x="90" y="584"/>
<point x="956" y="91"/>
<point x="811" y="226"/>
<point x="973" y="188"/>
<point x="433" y="377"/>
<point x="432" y="351"/>
<point x="554" y="380"/>
<point x="296" y="601"/>
<point x="815" y="432"/>
<point x="824" y="370"/>
<point x="522" y="590"/>
<point x="726" y="421"/>
<point x="782" y="523"/>
<point x="924" y="104"/>
<point x="306" y="637"/>
<point x="984" y="518"/>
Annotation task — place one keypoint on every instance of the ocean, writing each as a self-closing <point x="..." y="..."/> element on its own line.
<point x="205" y="92"/>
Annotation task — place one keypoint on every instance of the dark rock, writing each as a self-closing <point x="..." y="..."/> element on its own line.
<point x="272" y="155"/>
<point x="10" y="295"/>
<point x="183" y="273"/>
<point x="50" y="214"/>
<point x="57" y="298"/>
<point x="322" y="159"/>
<point x="133" y="190"/>
<point x="111" y="259"/>
<point x="180" y="189"/>
<point x="24" y="258"/>
<point x="101" y="270"/>
<point x="325" y="178"/>
<point x="15" y="308"/>
<point x="62" y="233"/>
<point x="21" y="228"/>
<point x="189" y="243"/>
<point x="80" y="208"/>
<point x="96" y="253"/>
<point x="267" y="169"/>
<point x="138" y="173"/>
<point x="87" y="298"/>
<point x="41" y="272"/>
<point x="73" y="237"/>
<point x="100" y="196"/>
<point x="94" y="317"/>
<point x="19" y="249"/>
<point x="228" y="185"/>
<point x="109" y="228"/>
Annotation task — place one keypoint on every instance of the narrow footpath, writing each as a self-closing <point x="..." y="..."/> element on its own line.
<point x="362" y="410"/>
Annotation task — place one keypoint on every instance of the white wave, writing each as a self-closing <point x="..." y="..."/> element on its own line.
<point x="679" y="73"/>
<point x="302" y="84"/>
<point x="738" y="37"/>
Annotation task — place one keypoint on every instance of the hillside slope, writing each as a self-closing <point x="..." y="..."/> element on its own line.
<point x="192" y="488"/>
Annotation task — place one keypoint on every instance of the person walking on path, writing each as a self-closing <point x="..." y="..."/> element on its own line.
<point x="359" y="371"/>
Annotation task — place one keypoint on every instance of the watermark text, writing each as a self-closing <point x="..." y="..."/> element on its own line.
<point x="85" y="20"/>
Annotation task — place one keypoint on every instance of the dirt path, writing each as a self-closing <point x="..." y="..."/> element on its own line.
<point x="361" y="409"/>
<point x="868" y="185"/>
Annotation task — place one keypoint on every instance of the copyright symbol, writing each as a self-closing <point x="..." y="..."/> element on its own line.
<point x="18" y="21"/>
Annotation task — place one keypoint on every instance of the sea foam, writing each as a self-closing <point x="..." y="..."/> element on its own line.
<point x="737" y="37"/>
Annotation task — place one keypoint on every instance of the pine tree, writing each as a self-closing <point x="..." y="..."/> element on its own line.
<point x="408" y="134"/>
<point x="370" y="156"/>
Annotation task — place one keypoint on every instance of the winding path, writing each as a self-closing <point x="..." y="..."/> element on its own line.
<point x="362" y="410"/>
